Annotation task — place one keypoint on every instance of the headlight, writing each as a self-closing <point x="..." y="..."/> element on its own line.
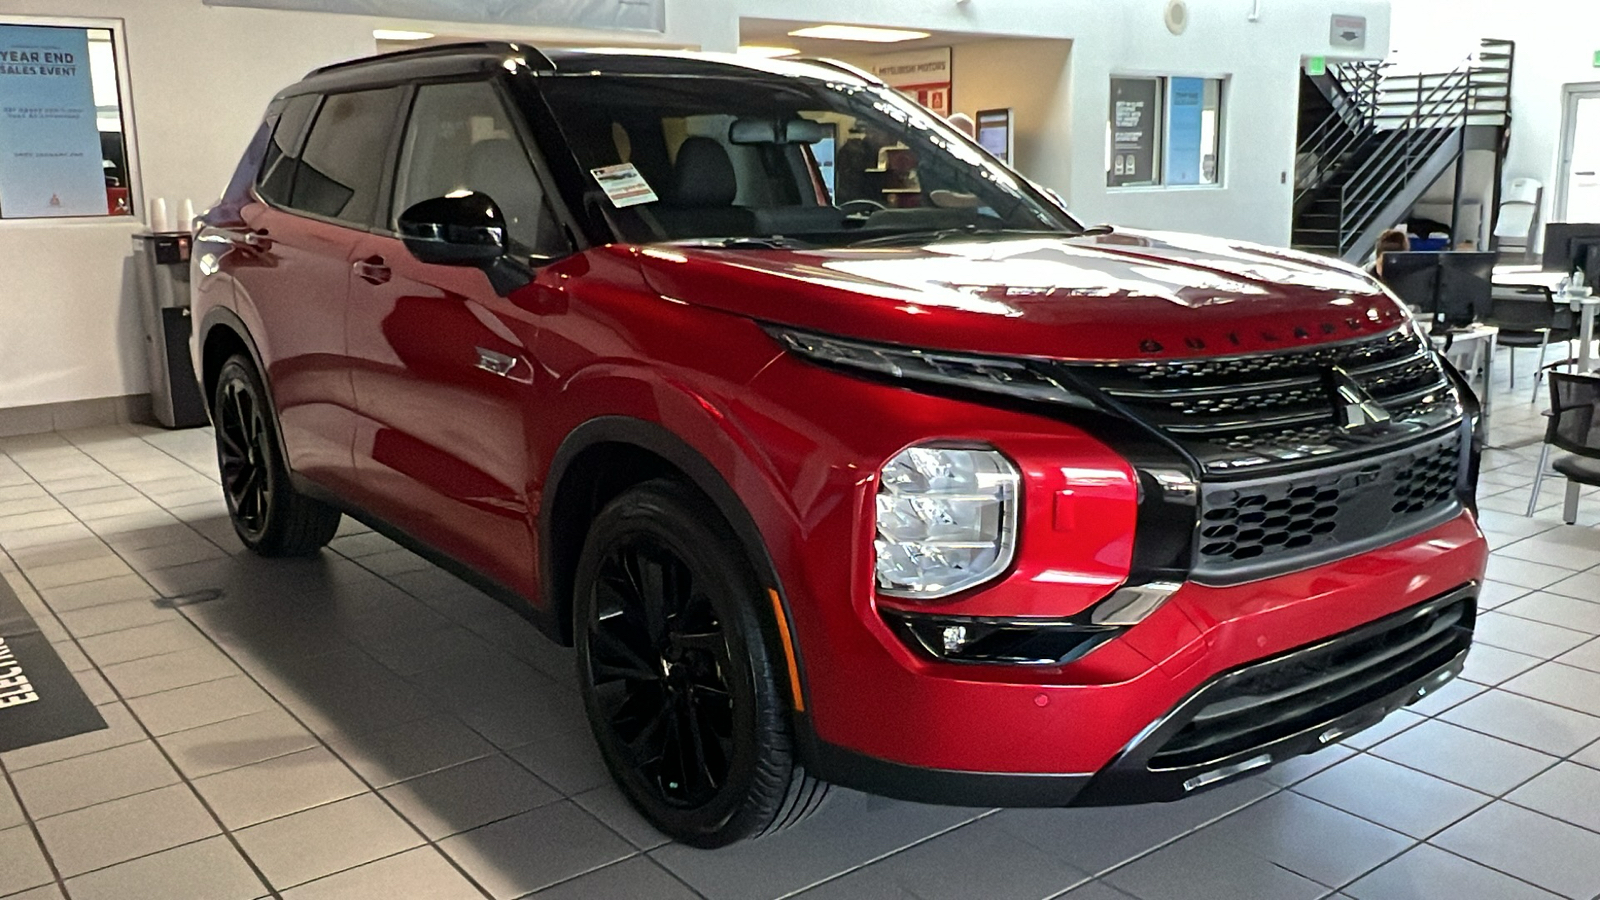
<point x="946" y="520"/>
<point x="1028" y="379"/>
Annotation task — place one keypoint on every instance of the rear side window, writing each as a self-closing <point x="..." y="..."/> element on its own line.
<point x="342" y="165"/>
<point x="277" y="165"/>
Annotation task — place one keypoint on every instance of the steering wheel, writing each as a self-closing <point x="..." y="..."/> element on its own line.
<point x="862" y="207"/>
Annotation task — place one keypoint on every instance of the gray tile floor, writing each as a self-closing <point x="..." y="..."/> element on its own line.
<point x="363" y="725"/>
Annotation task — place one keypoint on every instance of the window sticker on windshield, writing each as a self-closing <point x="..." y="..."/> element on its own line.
<point x="624" y="185"/>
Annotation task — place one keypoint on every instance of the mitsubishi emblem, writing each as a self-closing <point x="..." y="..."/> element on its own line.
<point x="1352" y="405"/>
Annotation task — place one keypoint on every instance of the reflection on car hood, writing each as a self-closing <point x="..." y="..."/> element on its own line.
<point x="1121" y="296"/>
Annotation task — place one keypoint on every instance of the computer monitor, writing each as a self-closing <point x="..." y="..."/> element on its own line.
<point x="1570" y="246"/>
<point x="1414" y="278"/>
<point x="1453" y="289"/>
<point x="1466" y="288"/>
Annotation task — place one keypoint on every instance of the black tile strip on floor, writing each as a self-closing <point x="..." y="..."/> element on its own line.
<point x="40" y="701"/>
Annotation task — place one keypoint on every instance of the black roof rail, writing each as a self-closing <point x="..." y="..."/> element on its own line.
<point x="534" y="58"/>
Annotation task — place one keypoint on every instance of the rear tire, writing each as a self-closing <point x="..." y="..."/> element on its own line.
<point x="269" y="515"/>
<point x="676" y="675"/>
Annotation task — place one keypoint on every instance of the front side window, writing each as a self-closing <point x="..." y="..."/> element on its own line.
<point x="342" y="164"/>
<point x="826" y="164"/>
<point x="63" y="147"/>
<point x="461" y="139"/>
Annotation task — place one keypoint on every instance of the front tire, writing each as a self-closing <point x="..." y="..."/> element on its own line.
<point x="675" y="673"/>
<point x="269" y="515"/>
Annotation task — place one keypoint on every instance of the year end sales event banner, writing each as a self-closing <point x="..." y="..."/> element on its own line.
<point x="50" y="162"/>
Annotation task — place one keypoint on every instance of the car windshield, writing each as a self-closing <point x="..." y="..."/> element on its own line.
<point x="756" y="162"/>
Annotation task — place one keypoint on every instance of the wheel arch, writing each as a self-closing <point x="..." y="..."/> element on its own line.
<point x="577" y="489"/>
<point x="223" y="334"/>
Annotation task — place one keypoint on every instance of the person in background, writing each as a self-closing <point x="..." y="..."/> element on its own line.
<point x="964" y="124"/>
<point x="1392" y="241"/>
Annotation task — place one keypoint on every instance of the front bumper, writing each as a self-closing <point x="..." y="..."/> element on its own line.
<point x="1237" y="723"/>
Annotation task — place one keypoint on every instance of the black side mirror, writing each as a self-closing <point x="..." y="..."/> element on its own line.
<point x="464" y="230"/>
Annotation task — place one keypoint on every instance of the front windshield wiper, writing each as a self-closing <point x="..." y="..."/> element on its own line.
<point x="755" y="242"/>
<point x="931" y="235"/>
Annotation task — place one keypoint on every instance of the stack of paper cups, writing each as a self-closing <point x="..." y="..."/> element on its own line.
<point x="158" y="214"/>
<point x="186" y="214"/>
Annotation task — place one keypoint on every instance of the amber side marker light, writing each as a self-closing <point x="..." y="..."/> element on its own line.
<point x="788" y="650"/>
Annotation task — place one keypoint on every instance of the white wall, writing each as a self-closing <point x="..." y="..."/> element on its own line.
<point x="201" y="76"/>
<point x="1033" y="78"/>
<point x="1556" y="42"/>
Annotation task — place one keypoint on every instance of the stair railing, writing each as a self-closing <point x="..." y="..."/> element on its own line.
<point x="1351" y="122"/>
<point x="1437" y="116"/>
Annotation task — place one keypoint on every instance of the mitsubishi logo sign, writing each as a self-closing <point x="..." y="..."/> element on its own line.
<point x="1352" y="405"/>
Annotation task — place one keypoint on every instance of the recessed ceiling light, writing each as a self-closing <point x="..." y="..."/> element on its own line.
<point x="858" y="33"/>
<point x="390" y="34"/>
<point x="767" y="52"/>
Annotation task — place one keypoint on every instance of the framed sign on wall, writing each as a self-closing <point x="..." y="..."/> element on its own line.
<point x="61" y="147"/>
<point x="994" y="133"/>
<point x="922" y="75"/>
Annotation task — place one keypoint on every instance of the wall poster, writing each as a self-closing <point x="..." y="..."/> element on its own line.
<point x="922" y="75"/>
<point x="1135" y="121"/>
<point x="50" y="159"/>
<point x="1185" y="99"/>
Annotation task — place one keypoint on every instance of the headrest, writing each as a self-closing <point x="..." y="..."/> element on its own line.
<point x="750" y="130"/>
<point x="703" y="174"/>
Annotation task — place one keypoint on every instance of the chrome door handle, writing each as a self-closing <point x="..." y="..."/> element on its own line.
<point x="372" y="270"/>
<point x="496" y="363"/>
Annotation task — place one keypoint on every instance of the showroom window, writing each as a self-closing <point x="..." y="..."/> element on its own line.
<point x="344" y="157"/>
<point x="460" y="139"/>
<point x="1164" y="131"/>
<point x="64" y="147"/>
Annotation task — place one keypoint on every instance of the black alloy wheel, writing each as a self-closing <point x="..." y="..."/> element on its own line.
<point x="676" y="674"/>
<point x="242" y="456"/>
<point x="658" y="661"/>
<point x="268" y="514"/>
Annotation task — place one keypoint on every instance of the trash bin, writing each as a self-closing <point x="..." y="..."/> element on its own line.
<point x="162" y="265"/>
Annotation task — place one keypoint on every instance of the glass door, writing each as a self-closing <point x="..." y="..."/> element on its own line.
<point x="1578" y="199"/>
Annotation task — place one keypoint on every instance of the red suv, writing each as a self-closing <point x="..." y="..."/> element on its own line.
<point x="841" y="452"/>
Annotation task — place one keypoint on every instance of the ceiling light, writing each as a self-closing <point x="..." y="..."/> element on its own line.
<point x="858" y="33"/>
<point x="767" y="52"/>
<point x="390" y="34"/>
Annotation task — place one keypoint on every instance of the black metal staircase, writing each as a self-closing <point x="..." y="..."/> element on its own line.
<point x="1385" y="139"/>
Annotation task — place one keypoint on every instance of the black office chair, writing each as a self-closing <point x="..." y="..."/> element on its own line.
<point x="1575" y="428"/>
<point x="1531" y="319"/>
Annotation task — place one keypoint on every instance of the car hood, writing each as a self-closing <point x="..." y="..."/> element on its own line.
<point x="1119" y="296"/>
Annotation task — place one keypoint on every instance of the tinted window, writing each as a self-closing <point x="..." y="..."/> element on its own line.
<point x="460" y="139"/>
<point x="744" y="157"/>
<point x="277" y="166"/>
<point x="343" y="161"/>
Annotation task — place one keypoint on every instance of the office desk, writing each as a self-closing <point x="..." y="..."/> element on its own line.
<point x="1465" y="347"/>
<point x="1550" y="282"/>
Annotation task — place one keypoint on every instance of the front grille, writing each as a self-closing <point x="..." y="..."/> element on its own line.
<point x="1276" y="410"/>
<point x="1247" y="526"/>
<point x="1270" y="701"/>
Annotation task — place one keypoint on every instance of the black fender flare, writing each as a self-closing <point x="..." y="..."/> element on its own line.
<point x="679" y="453"/>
